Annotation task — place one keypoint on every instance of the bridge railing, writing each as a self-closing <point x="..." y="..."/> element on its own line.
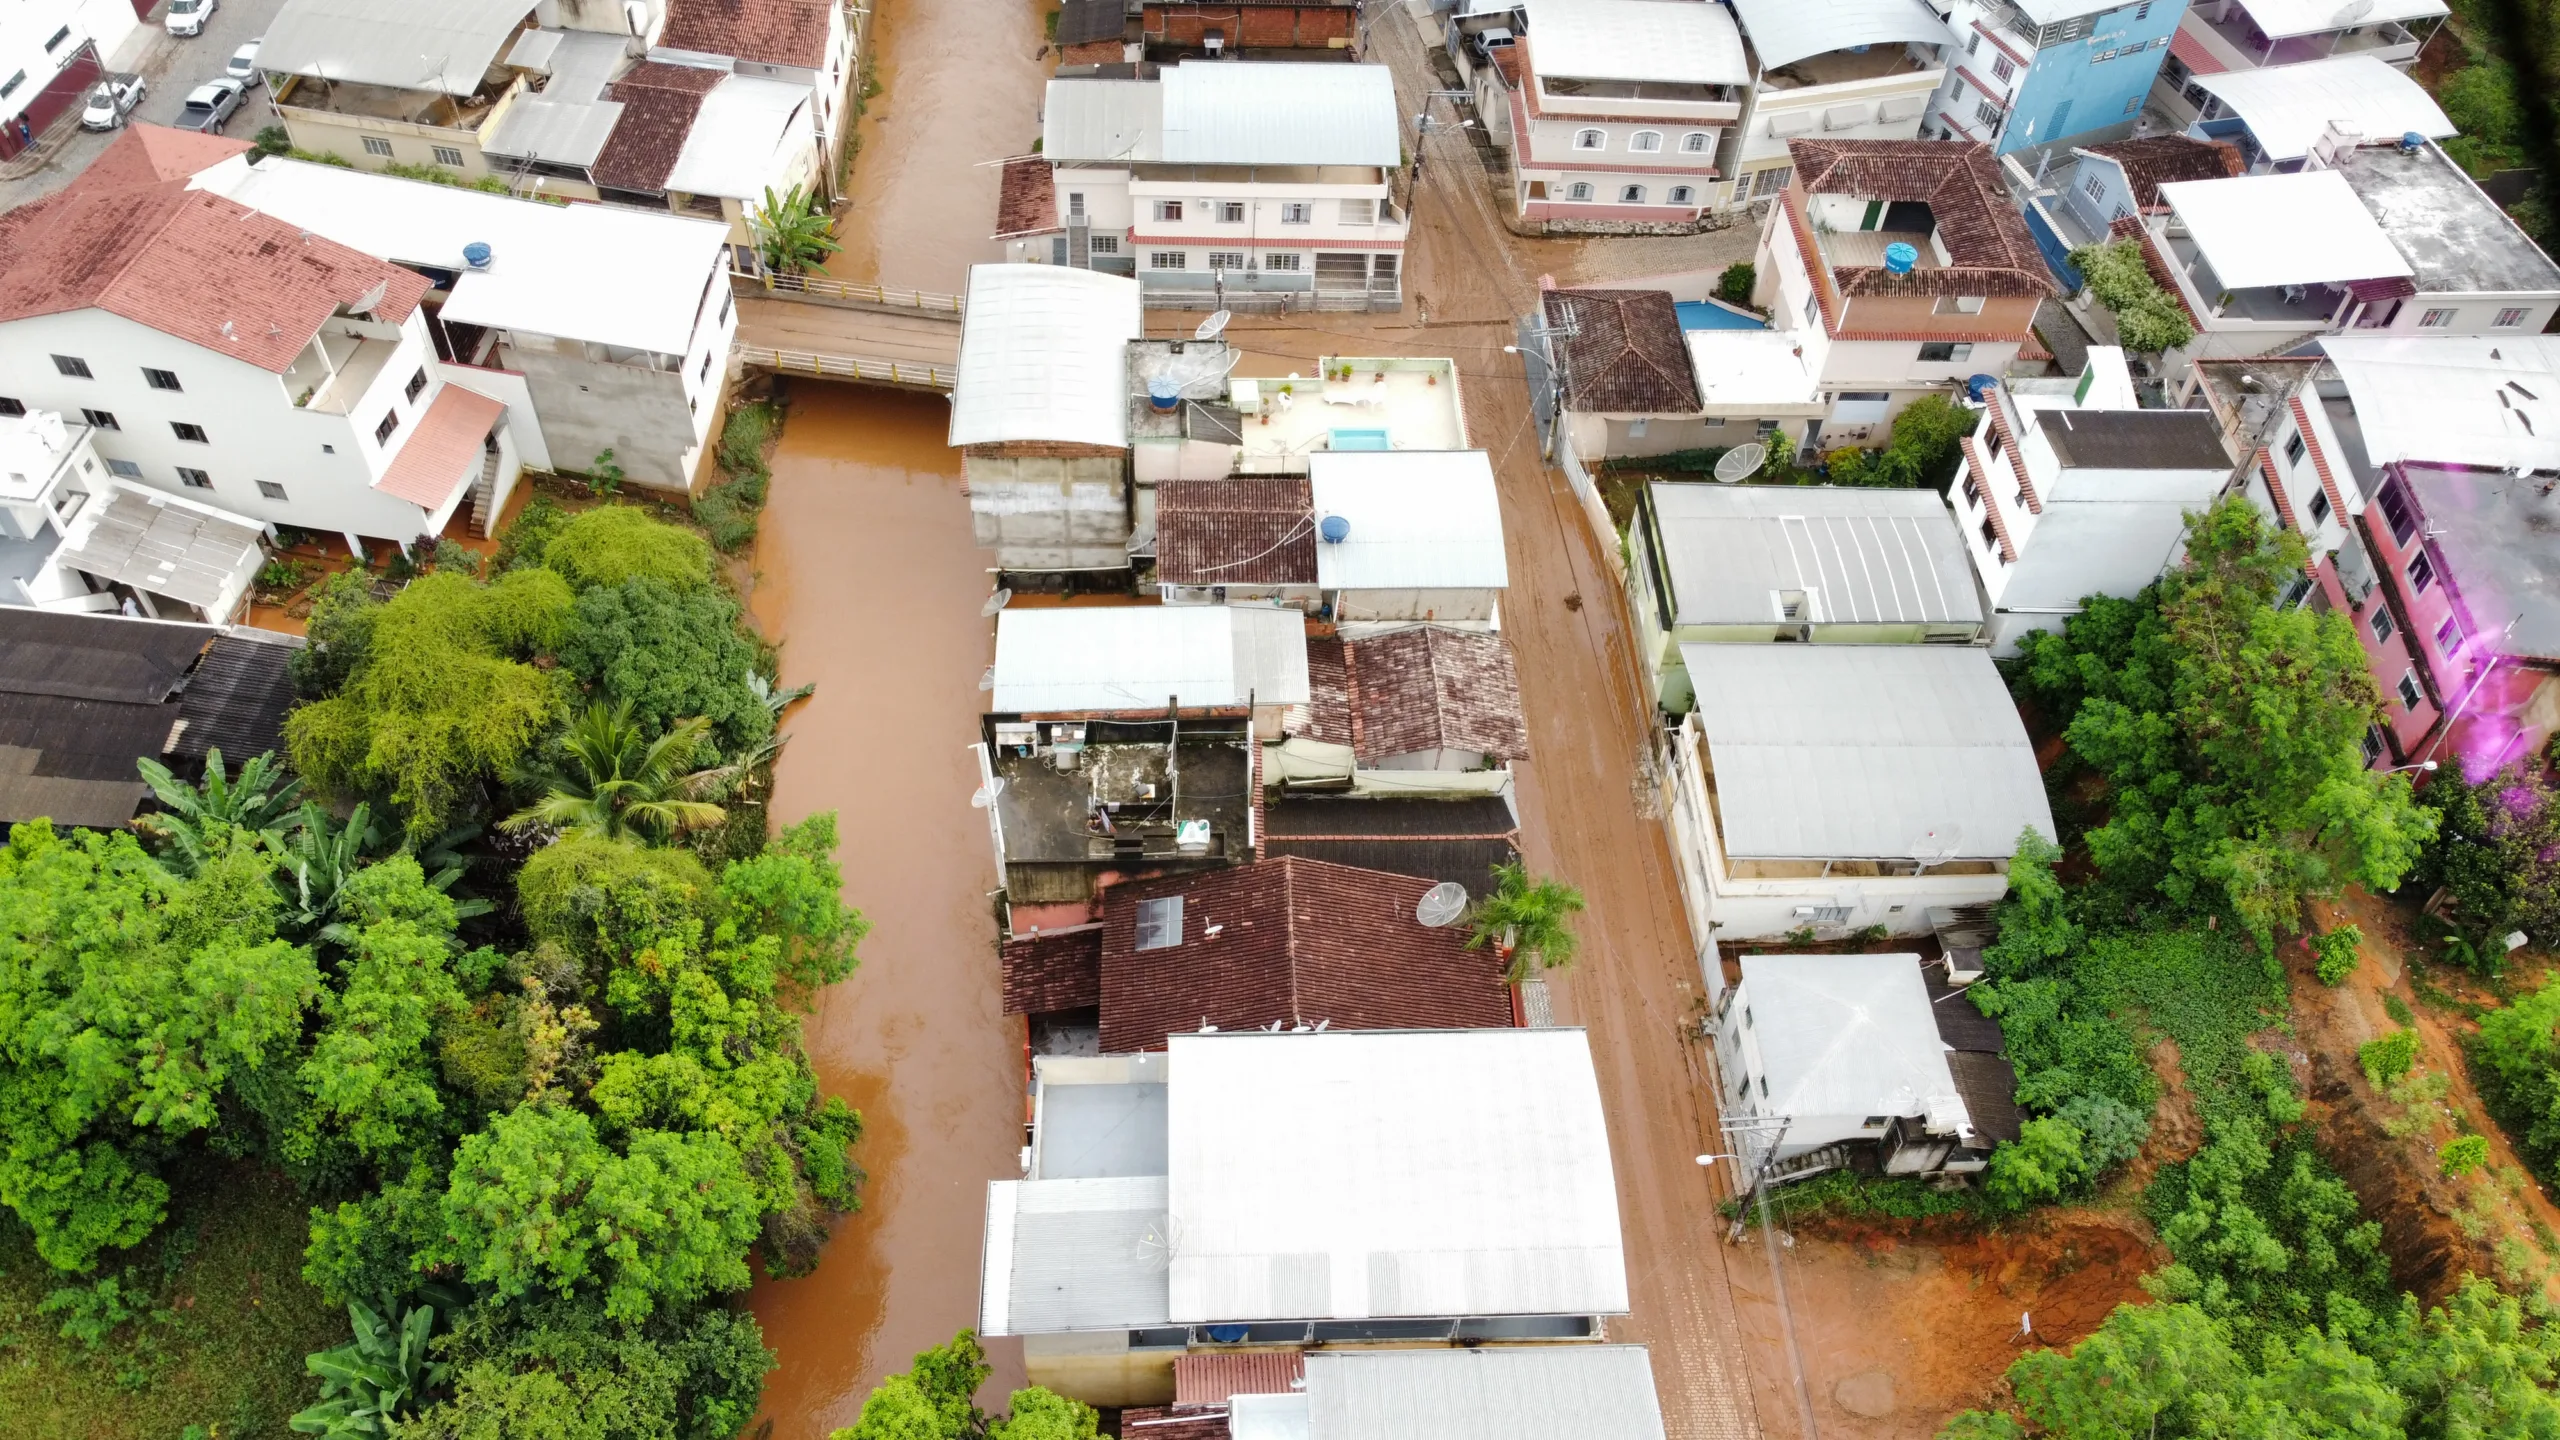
<point x="824" y="287"/>
<point x="849" y="367"/>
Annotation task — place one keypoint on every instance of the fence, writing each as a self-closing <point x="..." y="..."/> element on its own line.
<point x="848" y="367"/>
<point x="822" y="287"/>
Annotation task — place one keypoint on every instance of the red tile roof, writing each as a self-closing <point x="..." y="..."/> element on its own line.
<point x="189" y="264"/>
<point x="772" y="32"/>
<point x="442" y="453"/>
<point x="147" y="154"/>
<point x="1999" y="408"/>
<point x="659" y="102"/>
<point x="1990" y="499"/>
<point x="2192" y="54"/>
<point x="1429" y="688"/>
<point x="2157" y="160"/>
<point x="1027" y="198"/>
<point x="1216" y="1378"/>
<point x="1989" y="249"/>
<point x="1299" y="941"/>
<point x="2319" y="457"/>
<point x="1053" y="970"/>
<point x="1254" y="531"/>
<point x="1162" y="1422"/>
<point x="1328" y="705"/>
<point x="1627" y="355"/>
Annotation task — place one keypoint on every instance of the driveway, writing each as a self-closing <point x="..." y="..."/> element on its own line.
<point x="172" y="67"/>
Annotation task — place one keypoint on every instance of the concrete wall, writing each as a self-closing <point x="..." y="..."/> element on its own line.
<point x="587" y="406"/>
<point x="1050" y="514"/>
<point x="1100" y="1369"/>
<point x="1353" y="605"/>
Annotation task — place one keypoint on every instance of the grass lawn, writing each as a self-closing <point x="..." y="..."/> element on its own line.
<point x="232" y="1319"/>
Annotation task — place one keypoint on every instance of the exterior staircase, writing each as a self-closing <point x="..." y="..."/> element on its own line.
<point x="484" y="494"/>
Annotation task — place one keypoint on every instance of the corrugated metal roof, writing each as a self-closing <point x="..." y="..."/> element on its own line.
<point x="2439" y="397"/>
<point x="1520" y="1392"/>
<point x="237" y="699"/>
<point x="1420" y="520"/>
<point x="166" y="545"/>
<point x="1390" y="1173"/>
<point x="1102" y="121"/>
<point x="2306" y="228"/>
<point x="569" y="132"/>
<point x="1847" y="1035"/>
<point x="746" y="138"/>
<point x="446" y="46"/>
<point x="1890" y="556"/>
<point x="2288" y="106"/>
<point x="1672" y="41"/>
<point x="1785" y="31"/>
<point x="1081" y="660"/>
<point x="1230" y="113"/>
<point x="1865" y="751"/>
<point x="1044" y="356"/>
<point x="1073" y="1255"/>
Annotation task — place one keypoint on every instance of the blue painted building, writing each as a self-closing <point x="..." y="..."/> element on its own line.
<point x="2030" y="73"/>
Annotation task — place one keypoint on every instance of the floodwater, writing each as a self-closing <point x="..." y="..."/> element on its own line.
<point x="868" y="579"/>
<point x="960" y="87"/>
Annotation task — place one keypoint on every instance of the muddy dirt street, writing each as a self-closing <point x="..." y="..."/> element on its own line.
<point x="870" y="583"/>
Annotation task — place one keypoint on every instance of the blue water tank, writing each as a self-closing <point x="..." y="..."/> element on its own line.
<point x="1335" y="529"/>
<point x="2411" y="142"/>
<point x="1899" y="258"/>
<point x="476" y="255"/>
<point x="1228" y="1334"/>
<point x="1978" y="387"/>
<point x="1163" y="394"/>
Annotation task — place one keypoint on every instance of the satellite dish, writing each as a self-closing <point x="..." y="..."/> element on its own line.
<point x="2351" y="12"/>
<point x="996" y="602"/>
<point x="1938" y="846"/>
<point x="364" y="303"/>
<point x="1216" y="324"/>
<point x="987" y="678"/>
<point x="1741" y="461"/>
<point x="985" y="795"/>
<point x="1441" y="905"/>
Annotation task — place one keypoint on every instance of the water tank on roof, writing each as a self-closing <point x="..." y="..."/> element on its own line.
<point x="476" y="255"/>
<point x="1978" y="387"/>
<point x="1899" y="258"/>
<point x="1163" y="393"/>
<point x="1335" y="529"/>
<point x="2411" y="142"/>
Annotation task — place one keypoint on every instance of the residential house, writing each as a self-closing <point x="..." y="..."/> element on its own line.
<point x="1902" y="269"/>
<point x="1226" y="185"/>
<point x="75" y="539"/>
<point x="2083" y="194"/>
<point x="1595" y="1392"/>
<point x="1841" y="787"/>
<point x="1458" y="839"/>
<point x="1281" y="1191"/>
<point x="601" y="328"/>
<point x="1636" y="379"/>
<point x="2220" y="36"/>
<point x="84" y="698"/>
<point x="1413" y="710"/>
<point x="808" y="44"/>
<point x="1288" y="943"/>
<point x="1838" y="69"/>
<point x="1617" y="112"/>
<point x="708" y="143"/>
<point x="1755" y="564"/>
<point x="2280" y="116"/>
<point x="1869" y="1065"/>
<point x="2038" y="73"/>
<point x="1192" y="418"/>
<point x="2067" y="490"/>
<point x="1171" y="30"/>
<point x="237" y="359"/>
<point x="50" y="52"/>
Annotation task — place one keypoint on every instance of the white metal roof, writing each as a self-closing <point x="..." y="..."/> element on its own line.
<point x="2281" y="18"/>
<point x="1885" y="556"/>
<point x="2288" y="106"/>
<point x="1857" y="752"/>
<point x="1084" y="660"/>
<point x="1752" y="367"/>
<point x="1498" y="1392"/>
<point x="446" y="46"/>
<point x="1085" y="1254"/>
<point x="1671" y="41"/>
<point x="1232" y="113"/>
<point x="1102" y="121"/>
<point x="1420" y="520"/>
<point x="1360" y="1174"/>
<point x="2454" y="399"/>
<point x="1785" y="31"/>
<point x="2307" y="228"/>
<point x="571" y="132"/>
<point x="1044" y="356"/>
<point x="748" y="136"/>
<point x="604" y="273"/>
<point x="1848" y="1035"/>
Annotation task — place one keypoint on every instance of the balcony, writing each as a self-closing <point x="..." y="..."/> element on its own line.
<point x="2236" y="40"/>
<point x="384" y="107"/>
<point x="335" y="370"/>
<point x="1844" y="67"/>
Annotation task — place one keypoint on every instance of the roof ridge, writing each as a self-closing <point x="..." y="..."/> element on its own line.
<point x="1289" y="936"/>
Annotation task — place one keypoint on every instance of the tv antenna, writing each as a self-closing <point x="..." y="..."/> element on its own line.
<point x="1216" y="324"/>
<point x="1740" y="462"/>
<point x="1441" y="905"/>
<point x="996" y="602"/>
<point x="987" y="678"/>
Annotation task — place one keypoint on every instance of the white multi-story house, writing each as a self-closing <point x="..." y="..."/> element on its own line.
<point x="1617" y="110"/>
<point x="74" y="538"/>
<point x="1215" y="183"/>
<point x="51" y="51"/>
<point x="1844" y="69"/>
<point x="2222" y="35"/>
<point x="805" y="43"/>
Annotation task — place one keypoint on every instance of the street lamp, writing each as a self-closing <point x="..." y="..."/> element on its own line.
<point x="1712" y="1159"/>
<point x="2421" y="765"/>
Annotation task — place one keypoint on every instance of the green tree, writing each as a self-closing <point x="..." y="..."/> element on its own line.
<point x="377" y="1379"/>
<point x="2475" y="1368"/>
<point x="1733" y="283"/>
<point x="562" y="1371"/>
<point x="197" y="819"/>
<point x="340" y="635"/>
<point x="372" y="1074"/>
<point x="2518" y="1063"/>
<point x="612" y="544"/>
<point x="525" y="541"/>
<point x="2497" y="852"/>
<point x="935" y="1399"/>
<point x="664" y="654"/>
<point x="2045" y="1160"/>
<point x="1923" y="450"/>
<point x="2147" y="317"/>
<point x="1527" y="921"/>
<point x="793" y="232"/>
<point x="611" y="781"/>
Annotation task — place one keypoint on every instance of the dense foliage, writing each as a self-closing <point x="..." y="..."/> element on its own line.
<point x="2497" y="854"/>
<point x="667" y="654"/>
<point x="936" y="1399"/>
<point x="2147" y="317"/>
<point x="2517" y="1061"/>
<point x="1923" y="451"/>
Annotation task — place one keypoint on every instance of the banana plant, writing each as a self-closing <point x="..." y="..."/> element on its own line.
<point x="198" y="818"/>
<point x="368" y="1384"/>
<point x="322" y="855"/>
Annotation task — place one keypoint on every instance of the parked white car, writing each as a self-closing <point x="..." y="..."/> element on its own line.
<point x="210" y="105"/>
<point x="111" y="100"/>
<point x="187" y="17"/>
<point x="244" y="64"/>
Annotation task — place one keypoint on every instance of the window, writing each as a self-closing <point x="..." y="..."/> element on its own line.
<point x="1683" y="195"/>
<point x="1578" y="190"/>
<point x="2410" y="694"/>
<point x="706" y="368"/>
<point x="1812" y="310"/>
<point x="2095" y="189"/>
<point x="328" y="449"/>
<point x="724" y="309"/>
<point x="2002" y="67"/>
<point x="58" y="37"/>
<point x="1645" y="142"/>
<point x="1973" y="43"/>
<point x="416" y="383"/>
<point x="1939" y="352"/>
<point x="1694" y="143"/>
<point x="1359" y="212"/>
<point x="1279" y="262"/>
<point x="10" y="405"/>
<point x="1630" y="194"/>
<point x="2320" y="505"/>
<point x="1105" y="244"/>
<point x="1168" y="209"/>
<point x="1160" y="923"/>
<point x="445" y="155"/>
<point x="1990" y="535"/>
<point x="1168" y="259"/>
<point x="2142" y="11"/>
<point x="1590" y="140"/>
<point x="1773" y="180"/>
<point x="2448" y="635"/>
<point x="1874" y="1122"/>
<point x="1764" y="1087"/>
<point x="194" y="479"/>
<point x="1075" y="204"/>
<point x="2422" y="573"/>
<point x="2133" y="106"/>
<point x="102" y="419"/>
<point x="2395" y="510"/>
<point x="2293" y="448"/>
<point x="160" y="379"/>
<point x="390" y="422"/>
<point x="124" y="469"/>
<point x="2372" y="744"/>
<point x="1296" y="212"/>
<point x="1230" y="212"/>
<point x="2508" y="319"/>
<point x="2436" y="320"/>
<point x="73" y="366"/>
<point x="11" y="86"/>
<point x="271" y="490"/>
<point x="2382" y="627"/>
<point x="1986" y="114"/>
<point x="1226" y="259"/>
<point x="376" y="146"/>
<point x="192" y="434"/>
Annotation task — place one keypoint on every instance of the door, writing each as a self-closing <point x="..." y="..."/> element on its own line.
<point x="1341" y="272"/>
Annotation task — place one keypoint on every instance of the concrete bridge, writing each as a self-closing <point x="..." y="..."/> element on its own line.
<point x="828" y="329"/>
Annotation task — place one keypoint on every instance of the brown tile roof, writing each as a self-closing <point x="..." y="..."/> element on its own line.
<point x="1258" y="531"/>
<point x="146" y="154"/>
<point x="1215" y="1379"/>
<point x="772" y="32"/>
<point x="1026" y="198"/>
<point x="1627" y="355"/>
<point x="189" y="264"/>
<point x="1163" y="1422"/>
<point x="1328" y="705"/>
<point x="1430" y="688"/>
<point x="1053" y="970"/>
<point x="1435" y="840"/>
<point x="443" y="450"/>
<point x="2156" y="160"/>
<point x="1299" y="941"/>
<point x="658" y="105"/>
<point x="1989" y="249"/>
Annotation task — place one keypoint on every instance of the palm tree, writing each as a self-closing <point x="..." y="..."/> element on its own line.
<point x="198" y="818"/>
<point x="1524" y="920"/>
<point x="793" y="232"/>
<point x="615" y="782"/>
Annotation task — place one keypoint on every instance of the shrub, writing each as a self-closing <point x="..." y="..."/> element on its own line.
<point x="2120" y="277"/>
<point x="273" y="140"/>
<point x="525" y="541"/>
<point x="1733" y="287"/>
<point x="727" y="516"/>
<point x="2497" y="853"/>
<point x="614" y="543"/>
<point x="2046" y="1157"/>
<point x="1923" y="449"/>
<point x="2462" y="1155"/>
<point x="2337" y="954"/>
<point x="2388" y="1058"/>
